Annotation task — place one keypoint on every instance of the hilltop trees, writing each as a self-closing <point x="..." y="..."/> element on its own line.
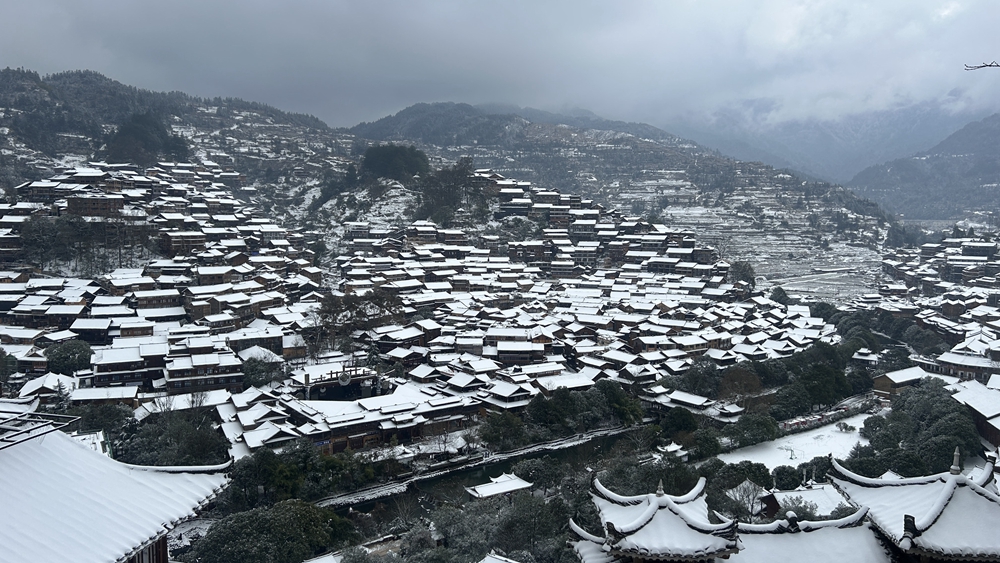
<point x="299" y="471"/>
<point x="752" y="428"/>
<point x="446" y="190"/>
<point x="740" y="271"/>
<point x="565" y="413"/>
<point x="334" y="185"/>
<point x="862" y="326"/>
<point x="90" y="247"/>
<point x="442" y="193"/>
<point x="503" y="431"/>
<point x="258" y="373"/>
<point x="8" y="367"/>
<point x="117" y="421"/>
<point x="395" y="162"/>
<point x="142" y="139"/>
<point x="733" y="489"/>
<point x="181" y="437"/>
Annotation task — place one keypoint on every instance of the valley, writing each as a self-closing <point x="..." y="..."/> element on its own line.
<point x="346" y="313"/>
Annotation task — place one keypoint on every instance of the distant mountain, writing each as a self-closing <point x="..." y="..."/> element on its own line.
<point x="609" y="161"/>
<point x="450" y="123"/>
<point x="64" y="119"/>
<point x="958" y="175"/>
<point x="71" y="111"/>
<point x="442" y="124"/>
<point x="834" y="150"/>
<point x="548" y="151"/>
<point x="581" y="119"/>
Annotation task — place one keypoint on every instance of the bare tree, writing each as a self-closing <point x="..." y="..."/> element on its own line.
<point x="198" y="399"/>
<point x="471" y="437"/>
<point x="443" y="442"/>
<point x="746" y="495"/>
<point x="643" y="438"/>
<point x="164" y="403"/>
<point x="405" y="510"/>
<point x="739" y="384"/>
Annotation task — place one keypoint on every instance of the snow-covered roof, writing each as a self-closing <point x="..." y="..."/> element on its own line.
<point x="50" y="381"/>
<point x="947" y="515"/>
<point x="262" y="354"/>
<point x="65" y="502"/>
<point x="505" y="483"/>
<point x="688" y="398"/>
<point x="979" y="398"/>
<point x="914" y="373"/>
<point x="833" y="541"/>
<point x="104" y="393"/>
<point x="661" y="526"/>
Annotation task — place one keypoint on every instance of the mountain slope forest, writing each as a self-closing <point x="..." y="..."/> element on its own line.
<point x="958" y="175"/>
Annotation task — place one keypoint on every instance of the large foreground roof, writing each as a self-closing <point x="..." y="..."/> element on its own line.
<point x="657" y="526"/>
<point x="947" y="515"/>
<point x="64" y="502"/>
<point x="827" y="541"/>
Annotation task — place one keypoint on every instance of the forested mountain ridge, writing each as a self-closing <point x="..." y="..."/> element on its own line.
<point x="450" y="123"/>
<point x="88" y="98"/>
<point x="65" y="119"/>
<point x="959" y="175"/>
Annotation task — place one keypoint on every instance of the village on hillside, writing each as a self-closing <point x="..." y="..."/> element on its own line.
<point x="180" y="292"/>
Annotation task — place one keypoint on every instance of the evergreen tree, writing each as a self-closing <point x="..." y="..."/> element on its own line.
<point x="68" y="357"/>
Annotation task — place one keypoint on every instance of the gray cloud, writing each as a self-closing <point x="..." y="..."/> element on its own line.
<point x="352" y="61"/>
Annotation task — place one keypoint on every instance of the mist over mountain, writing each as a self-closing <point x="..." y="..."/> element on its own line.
<point x="834" y="150"/>
<point x="959" y="175"/>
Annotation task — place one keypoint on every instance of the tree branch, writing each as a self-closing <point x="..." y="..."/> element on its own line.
<point x="993" y="64"/>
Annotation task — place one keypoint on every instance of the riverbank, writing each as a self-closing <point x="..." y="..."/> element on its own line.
<point x="472" y="461"/>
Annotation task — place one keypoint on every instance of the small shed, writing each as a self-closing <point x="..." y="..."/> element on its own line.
<point x="505" y="484"/>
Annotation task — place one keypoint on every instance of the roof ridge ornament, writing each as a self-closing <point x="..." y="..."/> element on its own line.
<point x="956" y="469"/>
<point x="659" y="489"/>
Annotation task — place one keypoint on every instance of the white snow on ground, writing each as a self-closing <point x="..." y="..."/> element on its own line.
<point x="450" y="443"/>
<point x="184" y="533"/>
<point x="799" y="448"/>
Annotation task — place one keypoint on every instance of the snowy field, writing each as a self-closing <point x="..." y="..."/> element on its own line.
<point x="789" y="257"/>
<point x="799" y="448"/>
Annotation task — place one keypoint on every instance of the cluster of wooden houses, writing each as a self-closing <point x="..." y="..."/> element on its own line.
<point x="489" y="325"/>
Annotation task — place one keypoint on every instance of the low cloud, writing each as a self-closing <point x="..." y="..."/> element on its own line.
<point x="351" y="61"/>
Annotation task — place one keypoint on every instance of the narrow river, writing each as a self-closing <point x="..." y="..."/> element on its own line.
<point x="451" y="485"/>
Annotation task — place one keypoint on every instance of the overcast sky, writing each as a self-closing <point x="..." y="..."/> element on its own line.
<point x="351" y="61"/>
